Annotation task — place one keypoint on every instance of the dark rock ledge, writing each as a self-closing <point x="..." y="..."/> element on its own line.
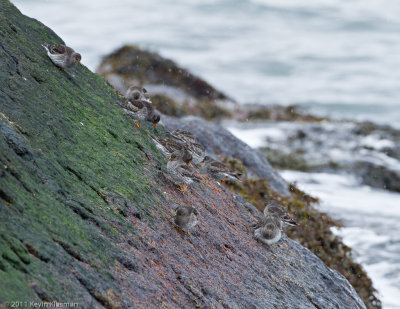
<point x="86" y="217"/>
<point x="261" y="183"/>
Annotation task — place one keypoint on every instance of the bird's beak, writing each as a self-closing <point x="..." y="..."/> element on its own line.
<point x="289" y="221"/>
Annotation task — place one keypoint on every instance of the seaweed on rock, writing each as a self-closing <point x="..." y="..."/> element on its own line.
<point x="86" y="215"/>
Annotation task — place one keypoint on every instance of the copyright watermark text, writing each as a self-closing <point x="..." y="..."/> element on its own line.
<point x="41" y="304"/>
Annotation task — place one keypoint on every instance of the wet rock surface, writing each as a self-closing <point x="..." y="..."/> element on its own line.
<point x="315" y="234"/>
<point x="367" y="150"/>
<point x="219" y="141"/>
<point x="86" y="214"/>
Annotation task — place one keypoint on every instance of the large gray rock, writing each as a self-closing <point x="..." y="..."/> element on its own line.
<point x="86" y="216"/>
<point x="218" y="140"/>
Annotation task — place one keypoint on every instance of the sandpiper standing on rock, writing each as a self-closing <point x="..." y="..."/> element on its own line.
<point x="153" y="116"/>
<point x="181" y="173"/>
<point x="268" y="229"/>
<point x="186" y="218"/>
<point x="137" y="109"/>
<point x="168" y="146"/>
<point x="62" y="56"/>
<point x="135" y="93"/>
<point x="218" y="170"/>
<point x="274" y="208"/>
<point x="190" y="141"/>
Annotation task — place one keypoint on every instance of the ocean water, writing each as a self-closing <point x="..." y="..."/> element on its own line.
<point x="371" y="219"/>
<point x="338" y="57"/>
<point x="370" y="216"/>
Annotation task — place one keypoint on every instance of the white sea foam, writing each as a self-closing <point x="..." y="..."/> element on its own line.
<point x="323" y="142"/>
<point x="370" y="216"/>
<point x="371" y="219"/>
<point x="256" y="137"/>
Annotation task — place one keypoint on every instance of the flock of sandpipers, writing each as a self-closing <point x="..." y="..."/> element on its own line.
<point x="184" y="153"/>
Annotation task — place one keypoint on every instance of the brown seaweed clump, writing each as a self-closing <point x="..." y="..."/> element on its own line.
<point x="313" y="230"/>
<point x="254" y="112"/>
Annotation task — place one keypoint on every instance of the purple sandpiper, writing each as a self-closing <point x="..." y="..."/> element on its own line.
<point x="62" y="56"/>
<point x="186" y="218"/>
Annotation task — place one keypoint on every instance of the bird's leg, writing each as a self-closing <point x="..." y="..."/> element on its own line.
<point x="155" y="126"/>
<point x="180" y="230"/>
<point x="62" y="69"/>
<point x="273" y="246"/>
<point x="183" y="187"/>
<point x="138" y="124"/>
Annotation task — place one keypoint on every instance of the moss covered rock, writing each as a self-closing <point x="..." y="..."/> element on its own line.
<point x="85" y="210"/>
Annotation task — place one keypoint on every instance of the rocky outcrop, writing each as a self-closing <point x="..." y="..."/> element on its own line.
<point x="175" y="90"/>
<point x="368" y="151"/>
<point x="86" y="213"/>
<point x="258" y="179"/>
<point x="378" y="176"/>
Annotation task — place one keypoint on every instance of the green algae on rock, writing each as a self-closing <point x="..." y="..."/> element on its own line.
<point x="86" y="214"/>
<point x="258" y="190"/>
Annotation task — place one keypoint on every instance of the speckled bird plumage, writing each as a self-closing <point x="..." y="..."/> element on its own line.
<point x="273" y="208"/>
<point x="137" y="93"/>
<point x="168" y="146"/>
<point x="183" y="136"/>
<point x="218" y="170"/>
<point x="186" y="217"/>
<point x="136" y="109"/>
<point x="197" y="151"/>
<point x="150" y="113"/>
<point x="61" y="55"/>
<point x="268" y="229"/>
<point x="180" y="172"/>
<point x="190" y="142"/>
